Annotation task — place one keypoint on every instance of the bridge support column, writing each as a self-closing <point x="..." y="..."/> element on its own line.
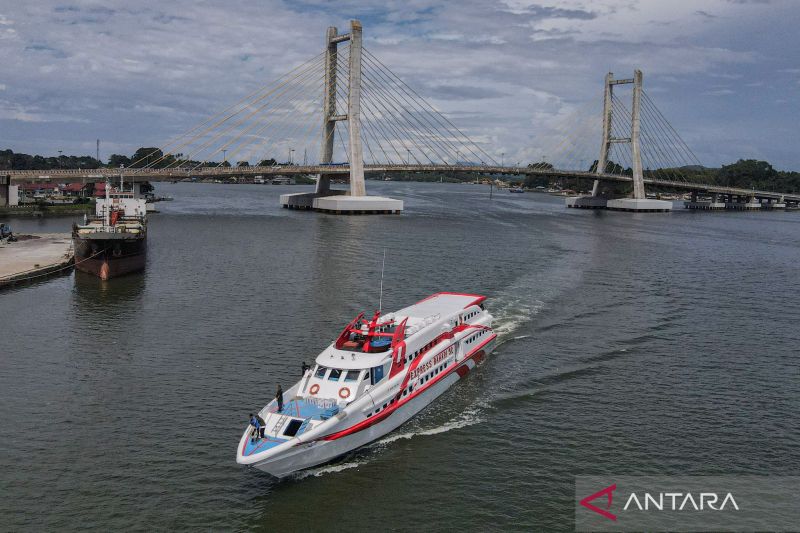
<point x="357" y="186"/>
<point x="328" y="110"/>
<point x="638" y="178"/>
<point x="602" y="161"/>
<point x="5" y="191"/>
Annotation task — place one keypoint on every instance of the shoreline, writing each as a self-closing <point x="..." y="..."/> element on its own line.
<point x="34" y="257"/>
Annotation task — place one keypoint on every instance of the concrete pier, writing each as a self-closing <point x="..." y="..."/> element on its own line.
<point x="639" y="205"/>
<point x="586" y="202"/>
<point x="342" y="203"/>
<point x="33" y="257"/>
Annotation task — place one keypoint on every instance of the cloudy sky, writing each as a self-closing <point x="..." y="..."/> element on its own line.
<point x="725" y="72"/>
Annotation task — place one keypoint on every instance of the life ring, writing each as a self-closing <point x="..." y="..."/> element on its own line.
<point x="314" y="389"/>
<point x="117" y="251"/>
<point x="344" y="393"/>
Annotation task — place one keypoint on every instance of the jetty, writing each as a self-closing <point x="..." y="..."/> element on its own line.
<point x="33" y="257"/>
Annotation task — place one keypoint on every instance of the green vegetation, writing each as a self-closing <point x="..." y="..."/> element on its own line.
<point x="143" y="157"/>
<point x="744" y="174"/>
<point x="44" y="210"/>
<point x="10" y="160"/>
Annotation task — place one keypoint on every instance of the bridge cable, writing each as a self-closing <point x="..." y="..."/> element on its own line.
<point x="286" y="89"/>
<point x="431" y="128"/>
<point x="434" y="129"/>
<point x="436" y="114"/>
<point x="293" y="73"/>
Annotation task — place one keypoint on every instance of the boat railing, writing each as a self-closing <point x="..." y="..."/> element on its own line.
<point x="279" y="424"/>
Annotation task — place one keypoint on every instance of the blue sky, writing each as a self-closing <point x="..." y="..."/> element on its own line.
<point x="725" y="72"/>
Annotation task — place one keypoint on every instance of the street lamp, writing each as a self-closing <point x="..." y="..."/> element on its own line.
<point x="224" y="156"/>
<point x="59" y="158"/>
<point x="502" y="159"/>
<point x="291" y="159"/>
<point x="408" y="159"/>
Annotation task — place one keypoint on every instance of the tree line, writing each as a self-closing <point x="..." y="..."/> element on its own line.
<point x="143" y="157"/>
<point x="745" y="173"/>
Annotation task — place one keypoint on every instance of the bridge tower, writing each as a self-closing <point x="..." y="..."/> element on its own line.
<point x="638" y="200"/>
<point x="333" y="200"/>
<point x="353" y="112"/>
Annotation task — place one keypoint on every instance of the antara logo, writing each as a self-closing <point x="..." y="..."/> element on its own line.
<point x="679" y="501"/>
<point x="660" y="501"/>
<point x="609" y="493"/>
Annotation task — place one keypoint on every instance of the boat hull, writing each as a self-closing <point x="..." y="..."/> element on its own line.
<point x="110" y="258"/>
<point x="315" y="453"/>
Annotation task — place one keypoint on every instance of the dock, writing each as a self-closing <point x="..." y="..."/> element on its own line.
<point x="33" y="257"/>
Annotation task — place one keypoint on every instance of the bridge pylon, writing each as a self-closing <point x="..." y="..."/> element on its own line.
<point x="353" y="111"/>
<point x="638" y="200"/>
<point x="324" y="198"/>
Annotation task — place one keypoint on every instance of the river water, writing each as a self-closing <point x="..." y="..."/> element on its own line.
<point x="630" y="344"/>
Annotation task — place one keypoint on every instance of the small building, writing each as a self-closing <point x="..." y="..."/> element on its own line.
<point x="77" y="190"/>
<point x="31" y="192"/>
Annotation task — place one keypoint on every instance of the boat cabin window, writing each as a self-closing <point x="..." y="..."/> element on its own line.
<point x="320" y="373"/>
<point x="334" y="375"/>
<point x="377" y="374"/>
<point x="352" y="375"/>
<point x="293" y="427"/>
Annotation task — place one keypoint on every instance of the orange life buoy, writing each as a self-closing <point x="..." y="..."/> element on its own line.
<point x="314" y="389"/>
<point x="344" y="393"/>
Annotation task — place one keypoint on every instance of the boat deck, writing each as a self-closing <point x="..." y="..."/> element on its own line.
<point x="294" y="409"/>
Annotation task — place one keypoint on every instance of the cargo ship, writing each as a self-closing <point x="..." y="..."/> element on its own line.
<point x="375" y="376"/>
<point x="113" y="241"/>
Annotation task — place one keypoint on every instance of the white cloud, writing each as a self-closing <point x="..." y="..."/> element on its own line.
<point x="506" y="72"/>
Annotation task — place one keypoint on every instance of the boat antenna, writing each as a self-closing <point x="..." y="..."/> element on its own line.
<point x="383" y="265"/>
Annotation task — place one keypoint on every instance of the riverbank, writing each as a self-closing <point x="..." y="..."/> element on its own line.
<point x="34" y="257"/>
<point x="35" y="210"/>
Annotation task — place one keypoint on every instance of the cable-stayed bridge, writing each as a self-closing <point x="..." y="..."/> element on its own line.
<point x="373" y="122"/>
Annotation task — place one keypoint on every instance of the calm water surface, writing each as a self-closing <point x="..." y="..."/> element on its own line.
<point x="631" y="344"/>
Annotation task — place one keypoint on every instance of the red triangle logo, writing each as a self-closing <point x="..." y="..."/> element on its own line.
<point x="608" y="492"/>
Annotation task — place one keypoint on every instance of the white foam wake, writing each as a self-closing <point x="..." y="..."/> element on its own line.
<point x="468" y="418"/>
<point x="331" y="469"/>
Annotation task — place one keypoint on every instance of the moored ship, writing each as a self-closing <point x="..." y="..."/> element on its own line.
<point x="113" y="242"/>
<point x="378" y="374"/>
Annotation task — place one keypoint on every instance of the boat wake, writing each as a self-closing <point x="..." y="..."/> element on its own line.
<point x="329" y="469"/>
<point x="467" y="418"/>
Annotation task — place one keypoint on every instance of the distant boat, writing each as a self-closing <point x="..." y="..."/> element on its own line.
<point x="114" y="241"/>
<point x="516" y="189"/>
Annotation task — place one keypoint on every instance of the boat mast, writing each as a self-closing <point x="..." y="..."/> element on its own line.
<point x="380" y="299"/>
<point x="107" y="205"/>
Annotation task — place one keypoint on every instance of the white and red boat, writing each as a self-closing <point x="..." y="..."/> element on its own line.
<point x="377" y="375"/>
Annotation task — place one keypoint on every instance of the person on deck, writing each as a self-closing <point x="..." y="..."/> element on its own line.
<point x="306" y="367"/>
<point x="258" y="426"/>
<point x="279" y="397"/>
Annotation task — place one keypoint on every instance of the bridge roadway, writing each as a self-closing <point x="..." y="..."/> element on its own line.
<point x="170" y="174"/>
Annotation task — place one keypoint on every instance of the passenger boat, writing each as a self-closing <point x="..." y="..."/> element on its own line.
<point x="375" y="376"/>
<point x="113" y="242"/>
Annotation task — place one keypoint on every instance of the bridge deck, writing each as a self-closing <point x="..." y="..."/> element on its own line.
<point x="154" y="174"/>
